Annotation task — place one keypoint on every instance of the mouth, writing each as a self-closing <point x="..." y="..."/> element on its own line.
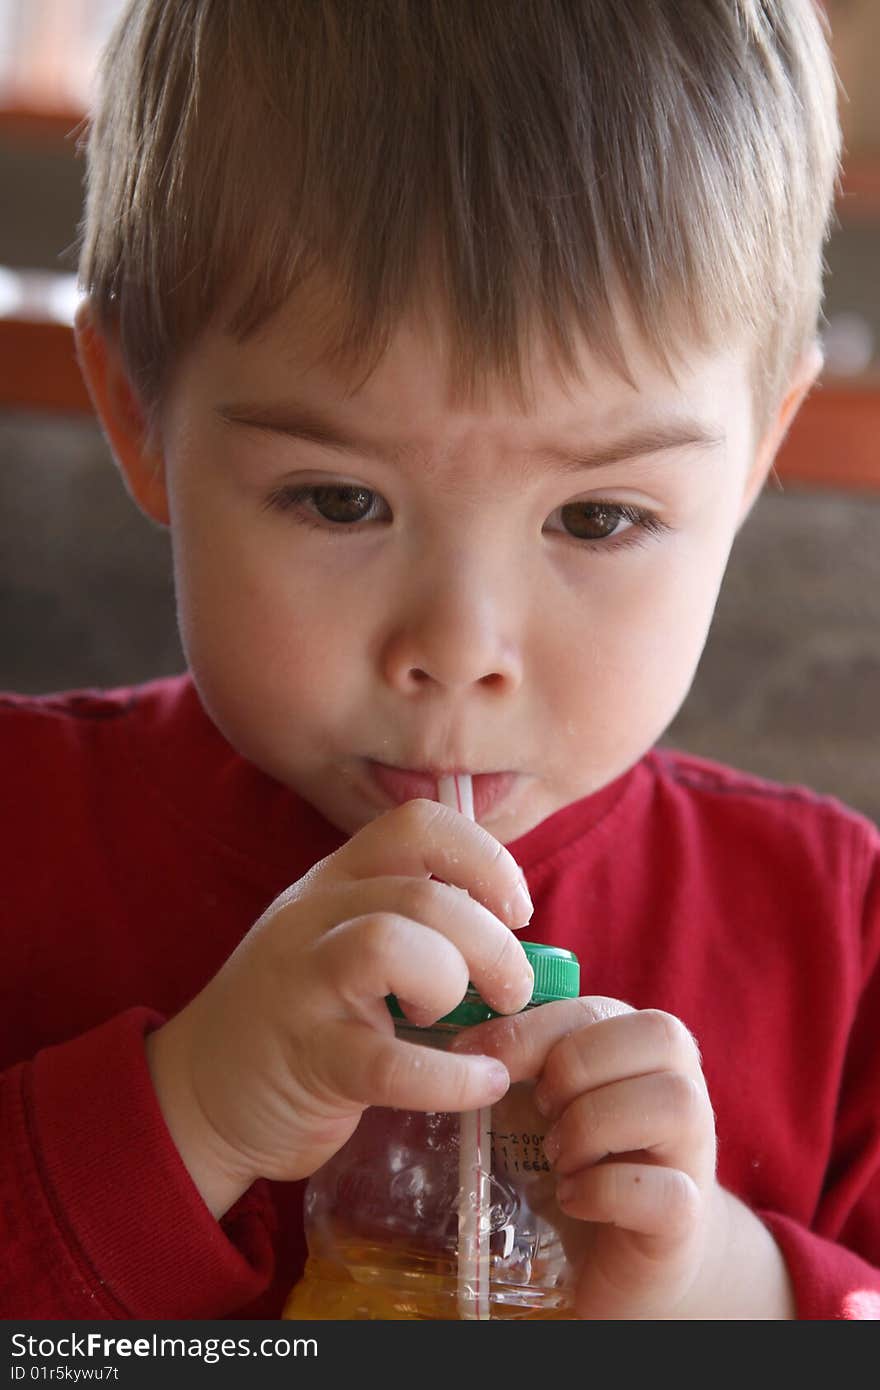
<point x="399" y="784"/>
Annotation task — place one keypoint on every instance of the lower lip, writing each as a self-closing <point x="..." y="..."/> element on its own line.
<point x="398" y="786"/>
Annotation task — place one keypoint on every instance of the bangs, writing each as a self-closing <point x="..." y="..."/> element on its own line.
<point x="516" y="170"/>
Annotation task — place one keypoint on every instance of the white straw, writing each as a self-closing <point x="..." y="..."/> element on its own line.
<point x="458" y="792"/>
<point x="474" y="1146"/>
<point x="474" y="1163"/>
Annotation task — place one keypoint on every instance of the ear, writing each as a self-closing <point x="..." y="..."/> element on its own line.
<point x="123" y="418"/>
<point x="807" y="369"/>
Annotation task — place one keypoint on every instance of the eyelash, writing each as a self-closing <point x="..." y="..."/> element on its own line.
<point x="643" y="524"/>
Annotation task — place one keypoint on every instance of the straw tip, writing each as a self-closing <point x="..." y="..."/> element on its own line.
<point x="456" y="790"/>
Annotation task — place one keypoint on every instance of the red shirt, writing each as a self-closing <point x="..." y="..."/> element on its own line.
<point x="139" y="848"/>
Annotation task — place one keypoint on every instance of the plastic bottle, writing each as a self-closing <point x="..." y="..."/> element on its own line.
<point x="443" y="1216"/>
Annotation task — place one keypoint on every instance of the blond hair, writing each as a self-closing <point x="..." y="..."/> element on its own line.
<point x="531" y="161"/>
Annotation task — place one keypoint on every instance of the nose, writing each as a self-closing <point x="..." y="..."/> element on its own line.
<point x="455" y="629"/>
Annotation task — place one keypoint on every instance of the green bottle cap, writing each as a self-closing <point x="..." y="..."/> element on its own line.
<point x="557" y="972"/>
<point x="557" y="976"/>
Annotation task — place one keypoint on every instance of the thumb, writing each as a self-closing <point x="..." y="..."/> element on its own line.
<point x="522" y="1041"/>
<point x="376" y="1069"/>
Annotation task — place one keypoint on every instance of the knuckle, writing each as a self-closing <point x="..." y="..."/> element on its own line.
<point x="593" y="1113"/>
<point x="507" y="956"/>
<point x="381" y="1075"/>
<point x="458" y="1079"/>
<point x="684" y="1098"/>
<point x="420" y="898"/>
<point x="376" y="932"/>
<point x="493" y="855"/>
<point x="564" y="1057"/>
<point x="500" y="857"/>
<point x="390" y="1074"/>
<point x="598" y="1008"/>
<point x="674" y="1040"/>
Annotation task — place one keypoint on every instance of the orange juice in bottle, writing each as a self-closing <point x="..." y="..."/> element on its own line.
<point x="440" y="1215"/>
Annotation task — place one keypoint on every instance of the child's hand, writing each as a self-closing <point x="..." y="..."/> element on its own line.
<point x="631" y="1139"/>
<point x="267" y="1071"/>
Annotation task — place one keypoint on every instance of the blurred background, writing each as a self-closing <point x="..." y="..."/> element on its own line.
<point x="789" y="685"/>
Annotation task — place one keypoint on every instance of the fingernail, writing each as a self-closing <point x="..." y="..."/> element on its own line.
<point x="522" y="905"/>
<point x="497" y="1078"/>
<point x="531" y="982"/>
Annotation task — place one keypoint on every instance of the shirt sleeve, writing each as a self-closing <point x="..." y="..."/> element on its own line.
<point x="835" y="1265"/>
<point x="98" y="1215"/>
<point x="829" y="1280"/>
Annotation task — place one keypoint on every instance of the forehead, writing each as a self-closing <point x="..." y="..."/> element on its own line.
<point x="409" y="394"/>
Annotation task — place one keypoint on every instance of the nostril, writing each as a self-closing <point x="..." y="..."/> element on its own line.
<point x="415" y="677"/>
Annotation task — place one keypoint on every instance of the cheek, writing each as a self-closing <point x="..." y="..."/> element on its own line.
<point x="624" y="654"/>
<point x="251" y="615"/>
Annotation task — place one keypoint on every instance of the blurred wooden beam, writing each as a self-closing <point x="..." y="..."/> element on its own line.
<point x="835" y="439"/>
<point x="859" y="196"/>
<point x="21" y="123"/>
<point x="38" y="368"/>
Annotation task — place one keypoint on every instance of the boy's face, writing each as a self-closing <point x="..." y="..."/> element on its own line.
<point x="379" y="581"/>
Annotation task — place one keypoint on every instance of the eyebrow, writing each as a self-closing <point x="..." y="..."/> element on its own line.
<point x="310" y="426"/>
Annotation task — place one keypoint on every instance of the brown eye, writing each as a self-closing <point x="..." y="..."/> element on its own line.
<point x="342" y="504"/>
<point x="591" y="521"/>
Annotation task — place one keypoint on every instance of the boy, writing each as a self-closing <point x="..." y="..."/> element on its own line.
<point x="453" y="342"/>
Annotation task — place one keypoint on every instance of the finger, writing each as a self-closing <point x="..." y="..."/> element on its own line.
<point x="634" y="1043"/>
<point x="525" y="1042"/>
<point x="423" y="838"/>
<point x="372" y="1069"/>
<point x="404" y="931"/>
<point x="666" y="1115"/>
<point x="659" y="1202"/>
<point x="366" y="958"/>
